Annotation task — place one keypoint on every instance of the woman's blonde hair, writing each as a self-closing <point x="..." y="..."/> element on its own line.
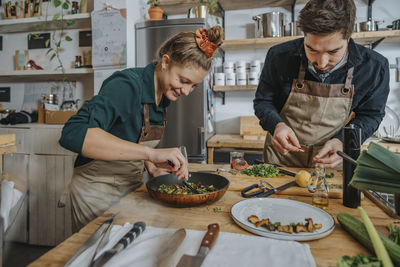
<point x="182" y="48"/>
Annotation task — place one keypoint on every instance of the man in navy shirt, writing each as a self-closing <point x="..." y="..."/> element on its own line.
<point x="311" y="87"/>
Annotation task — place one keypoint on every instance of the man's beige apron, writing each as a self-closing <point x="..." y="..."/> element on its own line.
<point x="98" y="185"/>
<point x="316" y="112"/>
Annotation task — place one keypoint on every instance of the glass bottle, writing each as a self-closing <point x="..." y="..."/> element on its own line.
<point x="320" y="197"/>
<point x="78" y="61"/>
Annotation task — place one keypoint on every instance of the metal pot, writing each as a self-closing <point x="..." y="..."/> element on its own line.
<point x="219" y="182"/>
<point x="270" y="24"/>
<point x="295" y="29"/>
<point x="395" y="25"/>
<point x="200" y="11"/>
<point x="368" y="26"/>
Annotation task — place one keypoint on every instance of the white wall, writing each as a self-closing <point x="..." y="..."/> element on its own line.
<point x="25" y="96"/>
<point x="239" y="25"/>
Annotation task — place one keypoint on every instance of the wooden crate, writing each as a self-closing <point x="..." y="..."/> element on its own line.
<point x="250" y="128"/>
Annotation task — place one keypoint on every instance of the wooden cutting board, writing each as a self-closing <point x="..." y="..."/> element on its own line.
<point x="245" y="180"/>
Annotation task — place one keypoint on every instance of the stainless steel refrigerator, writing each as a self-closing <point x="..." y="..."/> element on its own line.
<point x="188" y="121"/>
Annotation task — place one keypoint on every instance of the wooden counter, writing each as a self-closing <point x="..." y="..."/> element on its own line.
<point x="139" y="206"/>
<point x="235" y="141"/>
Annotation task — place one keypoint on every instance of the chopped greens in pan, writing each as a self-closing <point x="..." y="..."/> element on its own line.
<point x="180" y="189"/>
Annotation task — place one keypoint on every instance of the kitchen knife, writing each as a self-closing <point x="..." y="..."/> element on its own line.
<point x="172" y="245"/>
<point x="92" y="240"/>
<point x="128" y="238"/>
<point x="206" y="244"/>
<point x="257" y="161"/>
<point x="274" y="190"/>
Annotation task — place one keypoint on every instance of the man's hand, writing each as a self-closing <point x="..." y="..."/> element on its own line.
<point x="170" y="159"/>
<point x="327" y="155"/>
<point x="284" y="139"/>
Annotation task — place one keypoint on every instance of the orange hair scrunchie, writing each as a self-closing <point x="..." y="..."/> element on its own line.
<point x="204" y="43"/>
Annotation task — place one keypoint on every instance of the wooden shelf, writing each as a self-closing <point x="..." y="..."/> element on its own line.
<point x="42" y="75"/>
<point x="265" y="43"/>
<point x="82" y="21"/>
<point x="230" y="88"/>
<point x="173" y="7"/>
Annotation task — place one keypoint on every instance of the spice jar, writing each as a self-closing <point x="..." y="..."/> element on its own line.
<point x="78" y="61"/>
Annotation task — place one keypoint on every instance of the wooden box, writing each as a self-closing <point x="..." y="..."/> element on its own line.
<point x="250" y="128"/>
<point x="58" y="116"/>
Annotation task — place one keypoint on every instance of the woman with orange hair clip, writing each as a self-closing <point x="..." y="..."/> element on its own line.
<point x="116" y="132"/>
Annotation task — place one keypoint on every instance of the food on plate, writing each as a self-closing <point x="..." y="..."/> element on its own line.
<point x="253" y="219"/>
<point x="181" y="189"/>
<point x="308" y="227"/>
<point x="262" y="170"/>
<point x="302" y="178"/>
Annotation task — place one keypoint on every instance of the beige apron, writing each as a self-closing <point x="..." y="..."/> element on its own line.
<point x="316" y="112"/>
<point x="98" y="185"/>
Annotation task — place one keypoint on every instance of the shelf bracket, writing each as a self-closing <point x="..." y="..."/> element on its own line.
<point x="373" y="45"/>
<point x="222" y="11"/>
<point x="222" y="95"/>
<point x="293" y="12"/>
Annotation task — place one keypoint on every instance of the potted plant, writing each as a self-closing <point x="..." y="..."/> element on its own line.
<point x="211" y="5"/>
<point x="203" y="9"/>
<point x="155" y="12"/>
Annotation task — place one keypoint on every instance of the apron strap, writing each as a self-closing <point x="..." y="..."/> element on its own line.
<point x="165" y="117"/>
<point x="146" y="117"/>
<point x="302" y="74"/>
<point x="349" y="78"/>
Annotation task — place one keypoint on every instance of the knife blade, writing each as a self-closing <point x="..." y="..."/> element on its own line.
<point x="279" y="188"/>
<point x="173" y="243"/>
<point x="128" y="238"/>
<point x="92" y="240"/>
<point x="206" y="244"/>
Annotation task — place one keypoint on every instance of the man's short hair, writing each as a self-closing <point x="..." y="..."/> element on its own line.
<point x="323" y="17"/>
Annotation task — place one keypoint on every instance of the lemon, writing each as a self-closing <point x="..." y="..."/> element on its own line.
<point x="302" y="178"/>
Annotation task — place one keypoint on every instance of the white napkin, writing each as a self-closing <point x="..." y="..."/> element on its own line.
<point x="229" y="250"/>
<point x="9" y="198"/>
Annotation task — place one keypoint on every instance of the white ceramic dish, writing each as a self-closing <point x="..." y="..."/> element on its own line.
<point x="285" y="211"/>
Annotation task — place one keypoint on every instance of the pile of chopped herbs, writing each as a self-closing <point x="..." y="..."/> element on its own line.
<point x="359" y="260"/>
<point x="262" y="170"/>
<point x="330" y="175"/>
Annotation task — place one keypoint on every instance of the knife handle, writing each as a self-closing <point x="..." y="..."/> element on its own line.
<point x="211" y="235"/>
<point x="136" y="230"/>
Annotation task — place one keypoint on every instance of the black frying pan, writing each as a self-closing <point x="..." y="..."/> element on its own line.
<point x="219" y="182"/>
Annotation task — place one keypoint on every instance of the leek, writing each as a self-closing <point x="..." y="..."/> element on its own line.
<point x="377" y="169"/>
<point x="379" y="248"/>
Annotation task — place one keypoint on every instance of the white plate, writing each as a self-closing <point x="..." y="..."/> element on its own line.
<point x="284" y="211"/>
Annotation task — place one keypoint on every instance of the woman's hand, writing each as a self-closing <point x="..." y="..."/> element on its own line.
<point x="327" y="155"/>
<point x="170" y="159"/>
<point x="155" y="171"/>
<point x="284" y="139"/>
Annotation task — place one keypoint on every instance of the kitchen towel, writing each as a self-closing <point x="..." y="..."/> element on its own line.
<point x="9" y="198"/>
<point x="229" y="250"/>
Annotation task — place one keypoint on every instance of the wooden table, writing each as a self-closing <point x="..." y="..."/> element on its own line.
<point x="138" y="206"/>
<point x="237" y="142"/>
